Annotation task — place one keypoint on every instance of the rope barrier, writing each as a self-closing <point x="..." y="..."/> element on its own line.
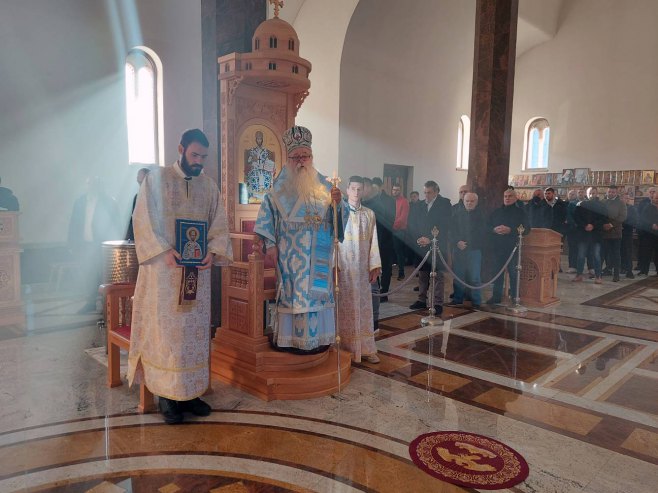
<point x="406" y="281"/>
<point x="481" y="286"/>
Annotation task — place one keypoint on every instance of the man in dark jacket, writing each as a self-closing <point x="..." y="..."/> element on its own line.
<point x="549" y="212"/>
<point x="589" y="217"/>
<point x="433" y="211"/>
<point x="466" y="238"/>
<point x="616" y="213"/>
<point x="644" y="237"/>
<point x="503" y="230"/>
<point x="627" y="237"/>
<point x="383" y="205"/>
<point x="649" y="225"/>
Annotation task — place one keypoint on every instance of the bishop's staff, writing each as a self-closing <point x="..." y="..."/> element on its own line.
<point x="335" y="199"/>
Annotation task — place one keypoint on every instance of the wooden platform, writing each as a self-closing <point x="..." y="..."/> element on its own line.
<point x="274" y="375"/>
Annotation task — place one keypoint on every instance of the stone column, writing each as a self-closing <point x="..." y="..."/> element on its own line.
<point x="227" y="26"/>
<point x="491" y="104"/>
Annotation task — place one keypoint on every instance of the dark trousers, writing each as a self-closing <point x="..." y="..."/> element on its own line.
<point x="374" y="289"/>
<point x="572" y="244"/>
<point x="627" y="251"/>
<point x="590" y="249"/>
<point x="386" y="253"/>
<point x="612" y="248"/>
<point x="644" y="252"/>
<point x="400" y="249"/>
<point x="467" y="264"/>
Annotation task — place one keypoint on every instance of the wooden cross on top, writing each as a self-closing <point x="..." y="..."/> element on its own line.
<point x="277" y="5"/>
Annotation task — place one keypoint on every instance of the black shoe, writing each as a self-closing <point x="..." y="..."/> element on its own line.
<point x="629" y="275"/>
<point x="475" y="307"/>
<point x="195" y="406"/>
<point x="401" y="277"/>
<point x="418" y="305"/>
<point x="438" y="310"/>
<point x="607" y="272"/>
<point x="383" y="299"/>
<point x="170" y="411"/>
<point x="416" y="288"/>
<point x="615" y="278"/>
<point x="455" y="303"/>
<point x="492" y="301"/>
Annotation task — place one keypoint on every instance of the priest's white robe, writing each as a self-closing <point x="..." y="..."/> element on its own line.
<point x="359" y="254"/>
<point x="169" y="343"/>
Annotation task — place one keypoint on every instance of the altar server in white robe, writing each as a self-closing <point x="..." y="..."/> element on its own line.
<point x="170" y="339"/>
<point x="360" y="265"/>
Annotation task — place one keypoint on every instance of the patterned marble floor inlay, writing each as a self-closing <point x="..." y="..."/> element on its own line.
<point x="573" y="388"/>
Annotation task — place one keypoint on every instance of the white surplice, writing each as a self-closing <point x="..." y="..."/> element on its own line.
<point x="169" y="343"/>
<point x="359" y="254"/>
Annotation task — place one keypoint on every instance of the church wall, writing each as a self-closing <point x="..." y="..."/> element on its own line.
<point x="321" y="27"/>
<point x="406" y="79"/>
<point x="62" y="98"/>
<point x="595" y="82"/>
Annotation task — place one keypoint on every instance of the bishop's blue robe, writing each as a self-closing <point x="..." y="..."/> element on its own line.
<point x="305" y="308"/>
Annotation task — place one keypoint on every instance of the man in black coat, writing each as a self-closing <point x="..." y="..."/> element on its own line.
<point x="467" y="240"/>
<point x="590" y="216"/>
<point x="649" y="225"/>
<point x="433" y="211"/>
<point x="383" y="205"/>
<point x="644" y="237"/>
<point x="549" y="212"/>
<point x="503" y="230"/>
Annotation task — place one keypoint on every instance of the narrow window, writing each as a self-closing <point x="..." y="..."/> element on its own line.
<point x="272" y="42"/>
<point x="295" y="69"/>
<point x="257" y="44"/>
<point x="142" y="102"/>
<point x="272" y="66"/>
<point x="463" y="141"/>
<point x="536" y="144"/>
<point x="291" y="44"/>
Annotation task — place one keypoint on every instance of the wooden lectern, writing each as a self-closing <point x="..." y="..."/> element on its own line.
<point x="540" y="264"/>
<point x="11" y="306"/>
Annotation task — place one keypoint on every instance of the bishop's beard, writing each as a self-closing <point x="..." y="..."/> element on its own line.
<point x="305" y="182"/>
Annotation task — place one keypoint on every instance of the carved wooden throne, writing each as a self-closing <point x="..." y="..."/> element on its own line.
<point x="241" y="354"/>
<point x="260" y="94"/>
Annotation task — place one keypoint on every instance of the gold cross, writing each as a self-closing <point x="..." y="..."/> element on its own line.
<point x="277" y="5"/>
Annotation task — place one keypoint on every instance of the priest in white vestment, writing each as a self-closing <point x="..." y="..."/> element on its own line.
<point x="360" y="265"/>
<point x="170" y="338"/>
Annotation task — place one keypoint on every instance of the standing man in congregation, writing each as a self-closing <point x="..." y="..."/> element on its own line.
<point x="359" y="267"/>
<point x="295" y="221"/>
<point x="503" y="229"/>
<point x="170" y="340"/>
<point x="435" y="210"/>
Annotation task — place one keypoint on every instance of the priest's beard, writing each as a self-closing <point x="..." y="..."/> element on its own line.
<point x="189" y="169"/>
<point x="305" y="182"/>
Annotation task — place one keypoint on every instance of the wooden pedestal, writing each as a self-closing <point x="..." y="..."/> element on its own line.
<point x="241" y="355"/>
<point x="540" y="264"/>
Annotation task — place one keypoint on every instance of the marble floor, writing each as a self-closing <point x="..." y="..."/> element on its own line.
<point x="573" y="388"/>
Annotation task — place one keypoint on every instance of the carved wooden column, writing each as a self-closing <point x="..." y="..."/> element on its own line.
<point x="491" y="106"/>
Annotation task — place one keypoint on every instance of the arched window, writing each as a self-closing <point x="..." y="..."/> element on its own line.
<point x="143" y="106"/>
<point x="257" y="44"/>
<point x="273" y="42"/>
<point x="291" y="44"/>
<point x="536" y="144"/>
<point x="295" y="69"/>
<point x="463" y="142"/>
